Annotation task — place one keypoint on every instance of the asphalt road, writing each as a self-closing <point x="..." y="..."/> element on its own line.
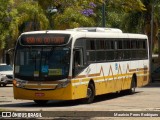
<point x="145" y="99"/>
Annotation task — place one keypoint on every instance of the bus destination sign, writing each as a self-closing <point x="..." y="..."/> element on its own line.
<point x="44" y="39"/>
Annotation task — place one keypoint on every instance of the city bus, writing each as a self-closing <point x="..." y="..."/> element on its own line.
<point x="79" y="63"/>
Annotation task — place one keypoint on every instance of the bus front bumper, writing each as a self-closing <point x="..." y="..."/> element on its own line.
<point x="56" y="94"/>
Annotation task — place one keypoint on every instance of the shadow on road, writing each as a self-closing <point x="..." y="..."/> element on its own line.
<point x="111" y="96"/>
<point x="69" y="103"/>
<point x="153" y="84"/>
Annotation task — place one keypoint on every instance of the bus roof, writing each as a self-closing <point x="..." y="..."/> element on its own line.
<point x="92" y="32"/>
<point x="96" y="29"/>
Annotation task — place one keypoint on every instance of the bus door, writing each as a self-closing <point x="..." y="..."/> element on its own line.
<point x="78" y="61"/>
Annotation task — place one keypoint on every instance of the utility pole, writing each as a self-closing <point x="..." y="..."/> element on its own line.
<point x="152" y="23"/>
<point x="103" y="16"/>
<point x="151" y="39"/>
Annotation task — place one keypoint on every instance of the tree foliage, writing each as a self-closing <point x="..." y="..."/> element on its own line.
<point x="28" y="16"/>
<point x="140" y="21"/>
<point x="127" y="5"/>
<point x="5" y="15"/>
<point x="71" y="13"/>
<point x="75" y="16"/>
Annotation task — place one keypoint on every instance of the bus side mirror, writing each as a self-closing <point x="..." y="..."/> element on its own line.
<point x="7" y="59"/>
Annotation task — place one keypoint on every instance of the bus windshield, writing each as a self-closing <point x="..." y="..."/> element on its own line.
<point x="42" y="63"/>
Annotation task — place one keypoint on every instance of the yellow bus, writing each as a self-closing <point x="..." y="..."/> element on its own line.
<point x="79" y="63"/>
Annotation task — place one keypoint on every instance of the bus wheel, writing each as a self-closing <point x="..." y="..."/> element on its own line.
<point x="133" y="86"/>
<point x="90" y="94"/>
<point x="4" y="84"/>
<point x="41" y="102"/>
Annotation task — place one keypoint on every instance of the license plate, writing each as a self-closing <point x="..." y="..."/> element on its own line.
<point x="39" y="94"/>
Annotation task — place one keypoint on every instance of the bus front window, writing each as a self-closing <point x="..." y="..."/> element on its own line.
<point x="42" y="63"/>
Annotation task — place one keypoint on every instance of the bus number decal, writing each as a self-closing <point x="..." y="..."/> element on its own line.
<point x="36" y="73"/>
<point x="55" y="72"/>
<point x="116" y="66"/>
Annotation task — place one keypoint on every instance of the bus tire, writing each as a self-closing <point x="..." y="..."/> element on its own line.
<point x="90" y="94"/>
<point x="41" y="102"/>
<point x="4" y="84"/>
<point x="133" y="86"/>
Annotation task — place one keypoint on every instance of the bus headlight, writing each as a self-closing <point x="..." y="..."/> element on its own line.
<point x="19" y="84"/>
<point x="63" y="84"/>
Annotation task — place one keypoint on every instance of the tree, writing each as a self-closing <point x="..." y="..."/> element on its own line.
<point x="96" y="17"/>
<point x="28" y="17"/>
<point x="148" y="17"/>
<point x="5" y="15"/>
<point x="17" y="16"/>
<point x="116" y="11"/>
<point x="5" y="20"/>
<point x="127" y="5"/>
<point x="71" y="17"/>
<point x="71" y="13"/>
<point x="140" y="22"/>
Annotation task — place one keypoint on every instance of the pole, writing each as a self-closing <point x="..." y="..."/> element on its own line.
<point x="152" y="37"/>
<point x="151" y="43"/>
<point x="103" y="16"/>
